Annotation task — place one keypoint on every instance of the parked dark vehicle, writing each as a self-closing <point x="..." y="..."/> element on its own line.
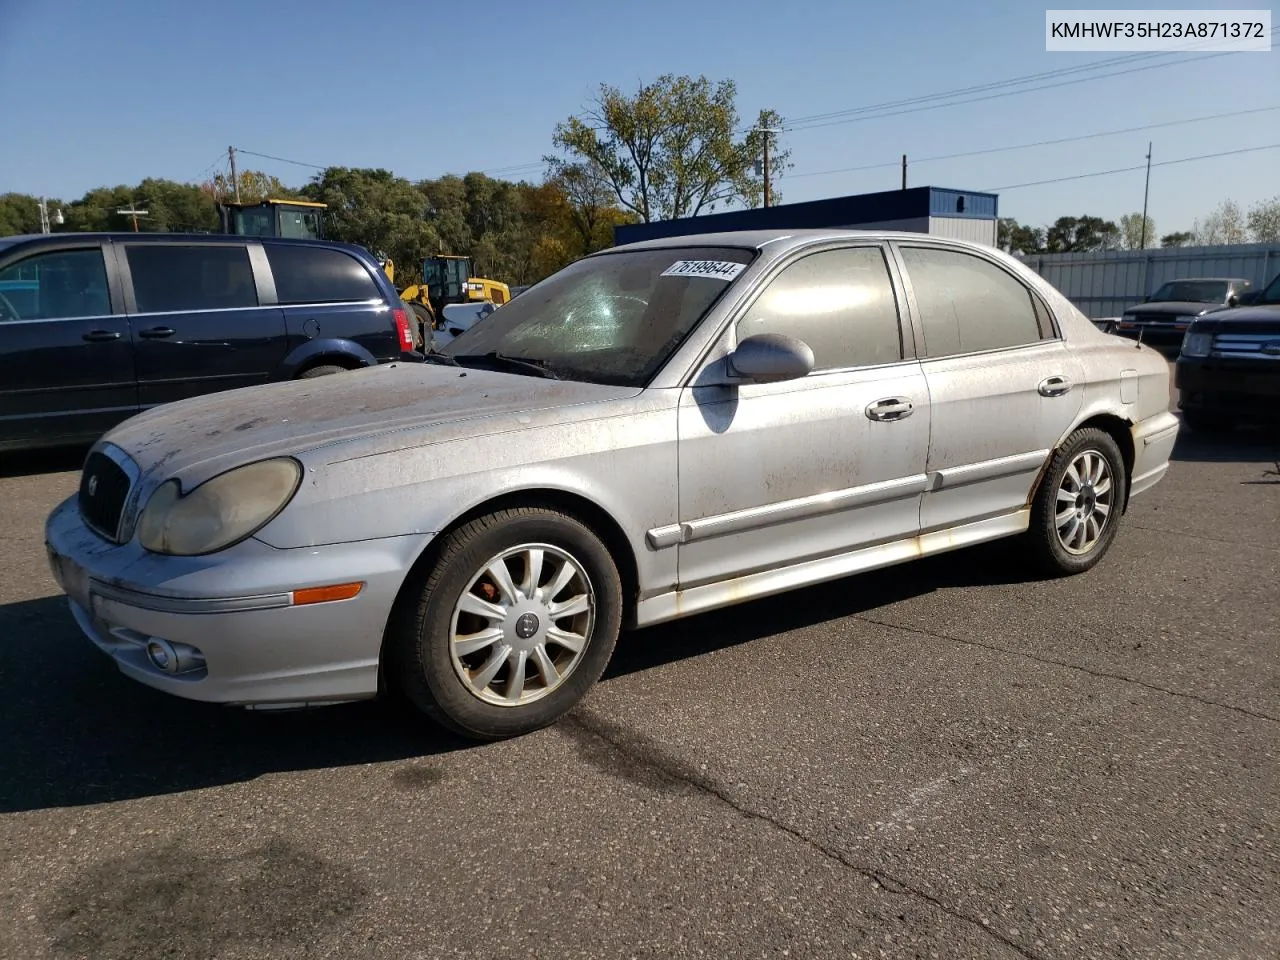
<point x="1228" y="372"/>
<point x="95" y="328"/>
<point x="1162" y="318"/>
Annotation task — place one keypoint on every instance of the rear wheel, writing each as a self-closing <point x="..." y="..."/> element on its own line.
<point x="1077" y="509"/>
<point x="321" y="370"/>
<point x="513" y="624"/>
<point x="422" y="335"/>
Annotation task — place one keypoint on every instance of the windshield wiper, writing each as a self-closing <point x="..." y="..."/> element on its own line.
<point x="441" y="358"/>
<point x="528" y="364"/>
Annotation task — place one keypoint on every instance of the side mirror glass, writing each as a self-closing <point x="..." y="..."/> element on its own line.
<point x="771" y="358"/>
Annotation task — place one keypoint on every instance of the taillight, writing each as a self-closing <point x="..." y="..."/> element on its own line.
<point x="401" y="317"/>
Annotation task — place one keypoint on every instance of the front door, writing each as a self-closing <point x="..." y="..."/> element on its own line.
<point x="66" y="361"/>
<point x="1003" y="385"/>
<point x="197" y="325"/>
<point x="775" y="474"/>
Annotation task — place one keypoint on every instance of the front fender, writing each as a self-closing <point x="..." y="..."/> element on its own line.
<point x="334" y="350"/>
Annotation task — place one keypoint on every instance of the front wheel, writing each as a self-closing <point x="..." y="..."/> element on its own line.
<point x="514" y="622"/>
<point x="1077" y="509"/>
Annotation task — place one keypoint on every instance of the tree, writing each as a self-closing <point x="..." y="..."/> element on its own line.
<point x="1077" y="234"/>
<point x="1018" y="237"/>
<point x="20" y="213"/>
<point x="1225" y="225"/>
<point x="255" y="186"/>
<point x="670" y="150"/>
<point x="376" y="209"/>
<point x="1132" y="234"/>
<point x="1264" y="221"/>
<point x="1177" y="239"/>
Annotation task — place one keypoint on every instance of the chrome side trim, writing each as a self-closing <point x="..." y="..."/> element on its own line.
<point x="186" y="605"/>
<point x="682" y="603"/>
<point x="988" y="469"/>
<point x="785" y="511"/>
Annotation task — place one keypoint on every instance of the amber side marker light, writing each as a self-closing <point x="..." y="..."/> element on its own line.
<point x="338" y="591"/>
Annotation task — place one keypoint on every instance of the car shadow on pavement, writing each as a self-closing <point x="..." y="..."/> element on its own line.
<point x="77" y="732"/>
<point x="988" y="564"/>
<point x="1243" y="445"/>
<point x="29" y="463"/>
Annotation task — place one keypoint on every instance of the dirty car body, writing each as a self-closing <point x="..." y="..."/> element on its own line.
<point x="660" y="429"/>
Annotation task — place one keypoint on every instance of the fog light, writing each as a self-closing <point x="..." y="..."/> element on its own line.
<point x="162" y="655"/>
<point x="173" y="658"/>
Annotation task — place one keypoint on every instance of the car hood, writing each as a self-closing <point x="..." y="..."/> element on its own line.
<point x="1260" y="319"/>
<point x="350" y="414"/>
<point x="1175" y="308"/>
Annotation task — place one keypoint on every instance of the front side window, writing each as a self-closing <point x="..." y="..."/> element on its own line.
<point x="614" y="318"/>
<point x="840" y="302"/>
<point x="319" y="275"/>
<point x="57" y="285"/>
<point x="968" y="304"/>
<point x="168" y="278"/>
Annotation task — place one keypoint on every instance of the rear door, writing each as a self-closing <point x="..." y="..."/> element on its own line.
<point x="329" y="295"/>
<point x="66" y="360"/>
<point x="1003" y="386"/>
<point x="197" y="323"/>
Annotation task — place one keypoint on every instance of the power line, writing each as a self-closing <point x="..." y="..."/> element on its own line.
<point x="267" y="156"/>
<point x="1037" y="143"/>
<point x="1141" y="166"/>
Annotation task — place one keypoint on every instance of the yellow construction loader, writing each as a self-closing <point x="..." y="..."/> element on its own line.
<point x="447" y="280"/>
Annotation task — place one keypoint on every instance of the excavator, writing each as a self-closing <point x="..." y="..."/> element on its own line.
<point x="445" y="279"/>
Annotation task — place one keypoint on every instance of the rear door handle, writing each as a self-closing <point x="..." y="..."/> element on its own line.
<point x="892" y="408"/>
<point x="1054" y="386"/>
<point x="101" y="336"/>
<point x="157" y="333"/>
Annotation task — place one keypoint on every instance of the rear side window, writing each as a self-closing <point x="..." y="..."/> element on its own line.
<point x="168" y="278"/>
<point x="57" y="285"/>
<point x="840" y="302"/>
<point x="968" y="304"/>
<point x="319" y="275"/>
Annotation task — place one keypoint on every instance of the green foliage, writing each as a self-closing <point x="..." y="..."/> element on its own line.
<point x="1019" y="237"/>
<point x="1264" y="220"/>
<point x="1181" y="239"/>
<point x="672" y="149"/>
<point x="20" y="213"/>
<point x="376" y="209"/>
<point x="1132" y="235"/>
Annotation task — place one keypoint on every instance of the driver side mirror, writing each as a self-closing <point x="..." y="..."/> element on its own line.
<point x="770" y="358"/>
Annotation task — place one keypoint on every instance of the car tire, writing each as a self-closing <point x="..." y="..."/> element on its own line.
<point x="422" y="336"/>
<point x="1206" y="423"/>
<point x="1076" y="511"/>
<point x="323" y="370"/>
<point x="459" y="666"/>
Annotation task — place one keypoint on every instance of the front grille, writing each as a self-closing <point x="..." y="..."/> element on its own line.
<point x="104" y="488"/>
<point x="1248" y="346"/>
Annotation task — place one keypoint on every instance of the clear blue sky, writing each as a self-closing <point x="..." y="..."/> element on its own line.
<point x="100" y="92"/>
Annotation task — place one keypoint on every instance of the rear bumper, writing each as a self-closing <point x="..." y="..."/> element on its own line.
<point x="1153" y="441"/>
<point x="1244" y="390"/>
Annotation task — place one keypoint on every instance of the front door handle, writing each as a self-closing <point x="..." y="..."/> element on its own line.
<point x="1054" y="386"/>
<point x="157" y="333"/>
<point x="891" y="408"/>
<point x="101" y="336"/>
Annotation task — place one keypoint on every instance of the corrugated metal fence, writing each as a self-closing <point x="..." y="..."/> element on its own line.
<point x="1103" y="284"/>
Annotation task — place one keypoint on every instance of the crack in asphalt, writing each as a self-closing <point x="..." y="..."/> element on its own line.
<point x="1101" y="674"/>
<point x="1201" y="536"/>
<point x="645" y="752"/>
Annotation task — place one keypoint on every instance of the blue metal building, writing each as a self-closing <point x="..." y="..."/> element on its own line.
<point x="961" y="214"/>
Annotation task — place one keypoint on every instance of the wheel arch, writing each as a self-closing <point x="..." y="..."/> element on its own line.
<point x="1117" y="427"/>
<point x="582" y="508"/>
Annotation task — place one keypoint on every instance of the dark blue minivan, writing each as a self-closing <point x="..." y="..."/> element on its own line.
<point x="95" y="328"/>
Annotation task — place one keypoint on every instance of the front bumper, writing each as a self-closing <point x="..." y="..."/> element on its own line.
<point x="1241" y="390"/>
<point x="236" y="608"/>
<point x="1155" y="334"/>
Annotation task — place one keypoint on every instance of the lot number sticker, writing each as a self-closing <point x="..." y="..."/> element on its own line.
<point x="714" y="269"/>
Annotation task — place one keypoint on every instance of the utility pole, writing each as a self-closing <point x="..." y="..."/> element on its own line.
<point x="1146" y="191"/>
<point x="904" y="171"/>
<point x="231" y="153"/>
<point x="768" y="132"/>
<point x="133" y="212"/>
<point x="44" y="217"/>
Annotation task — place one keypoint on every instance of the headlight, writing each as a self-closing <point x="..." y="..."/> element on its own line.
<point x="219" y="512"/>
<point x="1196" y="344"/>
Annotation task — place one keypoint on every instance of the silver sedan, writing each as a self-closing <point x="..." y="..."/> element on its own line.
<point x="657" y="430"/>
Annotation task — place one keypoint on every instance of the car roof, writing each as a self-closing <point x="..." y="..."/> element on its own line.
<point x="125" y="236"/>
<point x="784" y="239"/>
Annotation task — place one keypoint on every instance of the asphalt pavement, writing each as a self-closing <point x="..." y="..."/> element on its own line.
<point x="947" y="759"/>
